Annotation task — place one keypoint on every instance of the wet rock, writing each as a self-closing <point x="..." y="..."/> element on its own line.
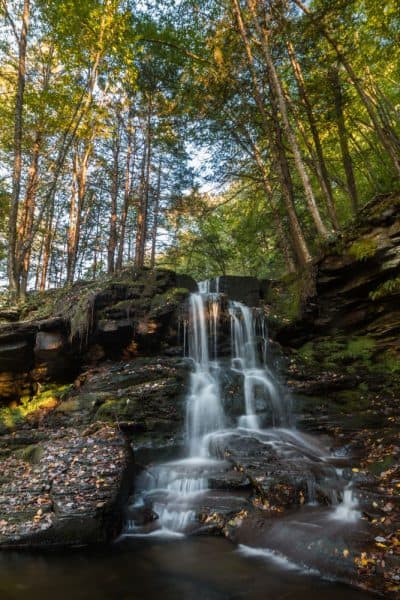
<point x="281" y="472"/>
<point x="247" y="290"/>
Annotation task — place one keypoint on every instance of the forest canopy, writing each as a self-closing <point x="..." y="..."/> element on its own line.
<point x="236" y="136"/>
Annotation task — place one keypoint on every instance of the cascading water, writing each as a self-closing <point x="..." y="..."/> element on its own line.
<point x="171" y="494"/>
<point x="204" y="409"/>
<point x="259" y="385"/>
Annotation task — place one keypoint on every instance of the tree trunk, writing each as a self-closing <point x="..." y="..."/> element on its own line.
<point x="112" y="240"/>
<point x="276" y="90"/>
<point x="78" y="192"/>
<point x="155" y="217"/>
<point x="25" y="228"/>
<point x="12" y="266"/>
<point x="129" y="174"/>
<point x="142" y="221"/>
<point x="49" y="234"/>
<point x="302" y="253"/>
<point x="322" y="170"/>
<point x="280" y="229"/>
<point x="343" y="138"/>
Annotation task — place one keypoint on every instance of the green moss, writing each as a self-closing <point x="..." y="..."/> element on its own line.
<point x="360" y="347"/>
<point x="31" y="453"/>
<point x="353" y="400"/>
<point x="46" y="399"/>
<point x="171" y="296"/>
<point x="389" y="361"/>
<point x="363" y="248"/>
<point x="333" y="352"/>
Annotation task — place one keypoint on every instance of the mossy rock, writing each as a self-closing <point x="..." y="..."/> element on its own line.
<point x="363" y="248"/>
<point x="288" y="296"/>
<point x="335" y="352"/>
<point x="173" y="296"/>
<point x="115" y="409"/>
<point x="31" y="453"/>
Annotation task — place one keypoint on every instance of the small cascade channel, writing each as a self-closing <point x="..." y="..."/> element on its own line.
<point x="260" y="443"/>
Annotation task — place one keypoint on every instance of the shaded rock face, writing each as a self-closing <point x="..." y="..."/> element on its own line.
<point x="343" y="365"/>
<point x="248" y="290"/>
<point x="344" y="353"/>
<point x="136" y="313"/>
<point x="144" y="397"/>
<point x="357" y="285"/>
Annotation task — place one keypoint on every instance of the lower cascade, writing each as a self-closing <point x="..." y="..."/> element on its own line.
<point x="242" y="447"/>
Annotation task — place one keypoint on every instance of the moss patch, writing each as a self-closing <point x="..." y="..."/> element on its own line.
<point x="363" y="248"/>
<point x="334" y="352"/>
<point x="29" y="407"/>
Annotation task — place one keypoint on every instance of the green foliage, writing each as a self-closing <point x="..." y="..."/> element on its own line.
<point x="288" y="296"/>
<point x="389" y="287"/>
<point x="224" y="235"/>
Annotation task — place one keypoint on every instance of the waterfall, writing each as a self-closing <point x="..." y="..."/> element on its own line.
<point x="259" y="385"/>
<point x="170" y="495"/>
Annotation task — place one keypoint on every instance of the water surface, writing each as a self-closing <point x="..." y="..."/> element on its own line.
<point x="150" y="568"/>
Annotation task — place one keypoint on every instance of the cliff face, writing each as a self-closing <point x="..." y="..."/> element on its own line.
<point x="357" y="282"/>
<point x="133" y="313"/>
<point x="346" y="335"/>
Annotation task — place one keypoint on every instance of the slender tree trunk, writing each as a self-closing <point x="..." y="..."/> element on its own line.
<point x="129" y="174"/>
<point x="142" y="221"/>
<point x="112" y="239"/>
<point x="343" y="138"/>
<point x="321" y="168"/>
<point x="12" y="266"/>
<point x="276" y="90"/>
<point x="300" y="247"/>
<point x="25" y="228"/>
<point x="49" y="234"/>
<point x="281" y="233"/>
<point x="155" y="217"/>
<point x="78" y="192"/>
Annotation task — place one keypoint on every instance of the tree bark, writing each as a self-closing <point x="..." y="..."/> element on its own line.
<point x="156" y="217"/>
<point x="300" y="247"/>
<point x="142" y="220"/>
<point x="277" y="91"/>
<point x="78" y="192"/>
<point x="12" y="266"/>
<point x="321" y="168"/>
<point x="343" y="138"/>
<point x="25" y="228"/>
<point x="112" y="239"/>
<point x="129" y="174"/>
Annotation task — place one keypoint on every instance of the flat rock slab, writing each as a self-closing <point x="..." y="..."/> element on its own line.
<point x="65" y="491"/>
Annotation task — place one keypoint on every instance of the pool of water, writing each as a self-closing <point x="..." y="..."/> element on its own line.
<point x="151" y="568"/>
